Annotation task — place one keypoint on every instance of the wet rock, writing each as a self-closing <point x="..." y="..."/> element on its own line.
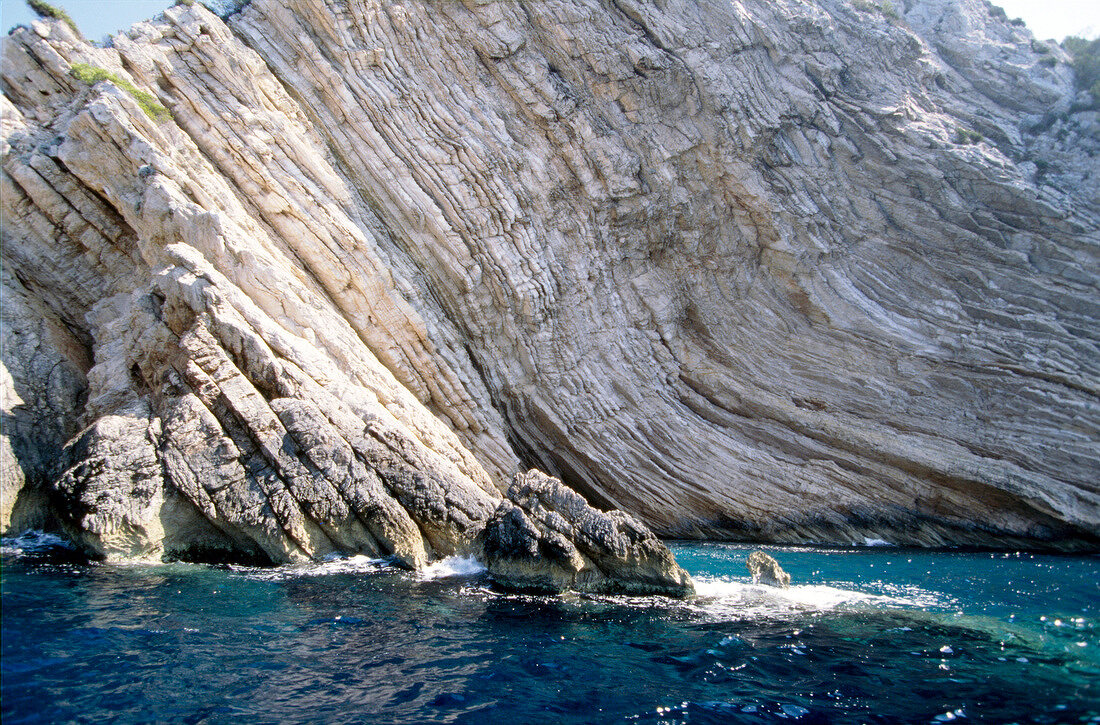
<point x="766" y="570"/>
<point x="545" y="538"/>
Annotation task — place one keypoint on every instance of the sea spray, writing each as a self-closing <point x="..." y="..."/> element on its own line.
<point x="452" y="566"/>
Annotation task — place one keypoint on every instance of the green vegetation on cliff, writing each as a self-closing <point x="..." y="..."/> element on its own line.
<point x="90" y="74"/>
<point x="43" y="9"/>
<point x="1086" y="65"/>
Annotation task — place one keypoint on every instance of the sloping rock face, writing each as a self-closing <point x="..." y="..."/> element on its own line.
<point x="763" y="270"/>
<point x="546" y="538"/>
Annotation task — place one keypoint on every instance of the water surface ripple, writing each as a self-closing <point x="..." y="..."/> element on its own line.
<point x="872" y="635"/>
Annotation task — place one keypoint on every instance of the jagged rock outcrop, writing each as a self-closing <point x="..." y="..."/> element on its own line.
<point x="766" y="570"/>
<point x="545" y="538"/>
<point x="772" y="270"/>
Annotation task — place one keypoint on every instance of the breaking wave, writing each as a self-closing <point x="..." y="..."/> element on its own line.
<point x="452" y="566"/>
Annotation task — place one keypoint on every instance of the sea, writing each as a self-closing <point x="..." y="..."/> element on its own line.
<point x="872" y="634"/>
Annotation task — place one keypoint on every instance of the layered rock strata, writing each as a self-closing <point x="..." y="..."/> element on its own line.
<point x="761" y="270"/>
<point x="545" y="538"/>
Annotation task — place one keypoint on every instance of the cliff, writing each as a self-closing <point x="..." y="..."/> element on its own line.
<point x="326" y="275"/>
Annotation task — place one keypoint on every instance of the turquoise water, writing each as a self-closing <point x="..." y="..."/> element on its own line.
<point x="873" y="635"/>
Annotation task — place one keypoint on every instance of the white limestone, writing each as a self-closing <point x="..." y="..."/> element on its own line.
<point x="731" y="267"/>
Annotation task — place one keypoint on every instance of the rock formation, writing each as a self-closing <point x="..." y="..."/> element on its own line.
<point x="766" y="570"/>
<point x="754" y="269"/>
<point x="545" y="538"/>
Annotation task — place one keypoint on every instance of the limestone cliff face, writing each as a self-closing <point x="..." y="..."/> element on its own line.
<point x="768" y="270"/>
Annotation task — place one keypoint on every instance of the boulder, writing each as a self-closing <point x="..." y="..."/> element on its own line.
<point x="766" y="570"/>
<point x="546" y="538"/>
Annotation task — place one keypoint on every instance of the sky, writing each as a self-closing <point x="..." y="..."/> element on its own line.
<point x="95" y="18"/>
<point x="1054" y="18"/>
<point x="99" y="18"/>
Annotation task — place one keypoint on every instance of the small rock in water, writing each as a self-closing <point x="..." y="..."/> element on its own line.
<point x="766" y="570"/>
<point x="545" y="538"/>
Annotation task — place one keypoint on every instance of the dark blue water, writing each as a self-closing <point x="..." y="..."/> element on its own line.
<point x="866" y="636"/>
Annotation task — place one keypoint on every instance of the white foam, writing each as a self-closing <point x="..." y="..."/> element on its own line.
<point x="357" y="564"/>
<point x="140" y="562"/>
<point x="731" y="597"/>
<point x="868" y="541"/>
<point x="819" y="596"/>
<point x="452" y="566"/>
<point x="914" y="596"/>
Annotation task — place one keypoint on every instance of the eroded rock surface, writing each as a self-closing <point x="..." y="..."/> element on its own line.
<point x="766" y="570"/>
<point x="767" y="270"/>
<point x="544" y="537"/>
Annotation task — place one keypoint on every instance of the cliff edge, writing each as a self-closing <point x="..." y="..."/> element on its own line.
<point x="326" y="276"/>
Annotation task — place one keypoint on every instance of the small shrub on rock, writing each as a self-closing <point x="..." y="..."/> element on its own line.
<point x="1086" y="65"/>
<point x="966" y="137"/>
<point x="90" y="74"/>
<point x="43" y="9"/>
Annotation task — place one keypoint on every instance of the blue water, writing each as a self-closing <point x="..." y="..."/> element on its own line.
<point x="872" y="635"/>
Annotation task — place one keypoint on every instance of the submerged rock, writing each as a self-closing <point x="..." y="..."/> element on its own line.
<point x="545" y="538"/>
<point x="766" y="570"/>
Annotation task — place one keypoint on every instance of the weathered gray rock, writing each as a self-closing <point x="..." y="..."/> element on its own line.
<point x="545" y="538"/>
<point x="767" y="270"/>
<point x="42" y="390"/>
<point x="766" y="570"/>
